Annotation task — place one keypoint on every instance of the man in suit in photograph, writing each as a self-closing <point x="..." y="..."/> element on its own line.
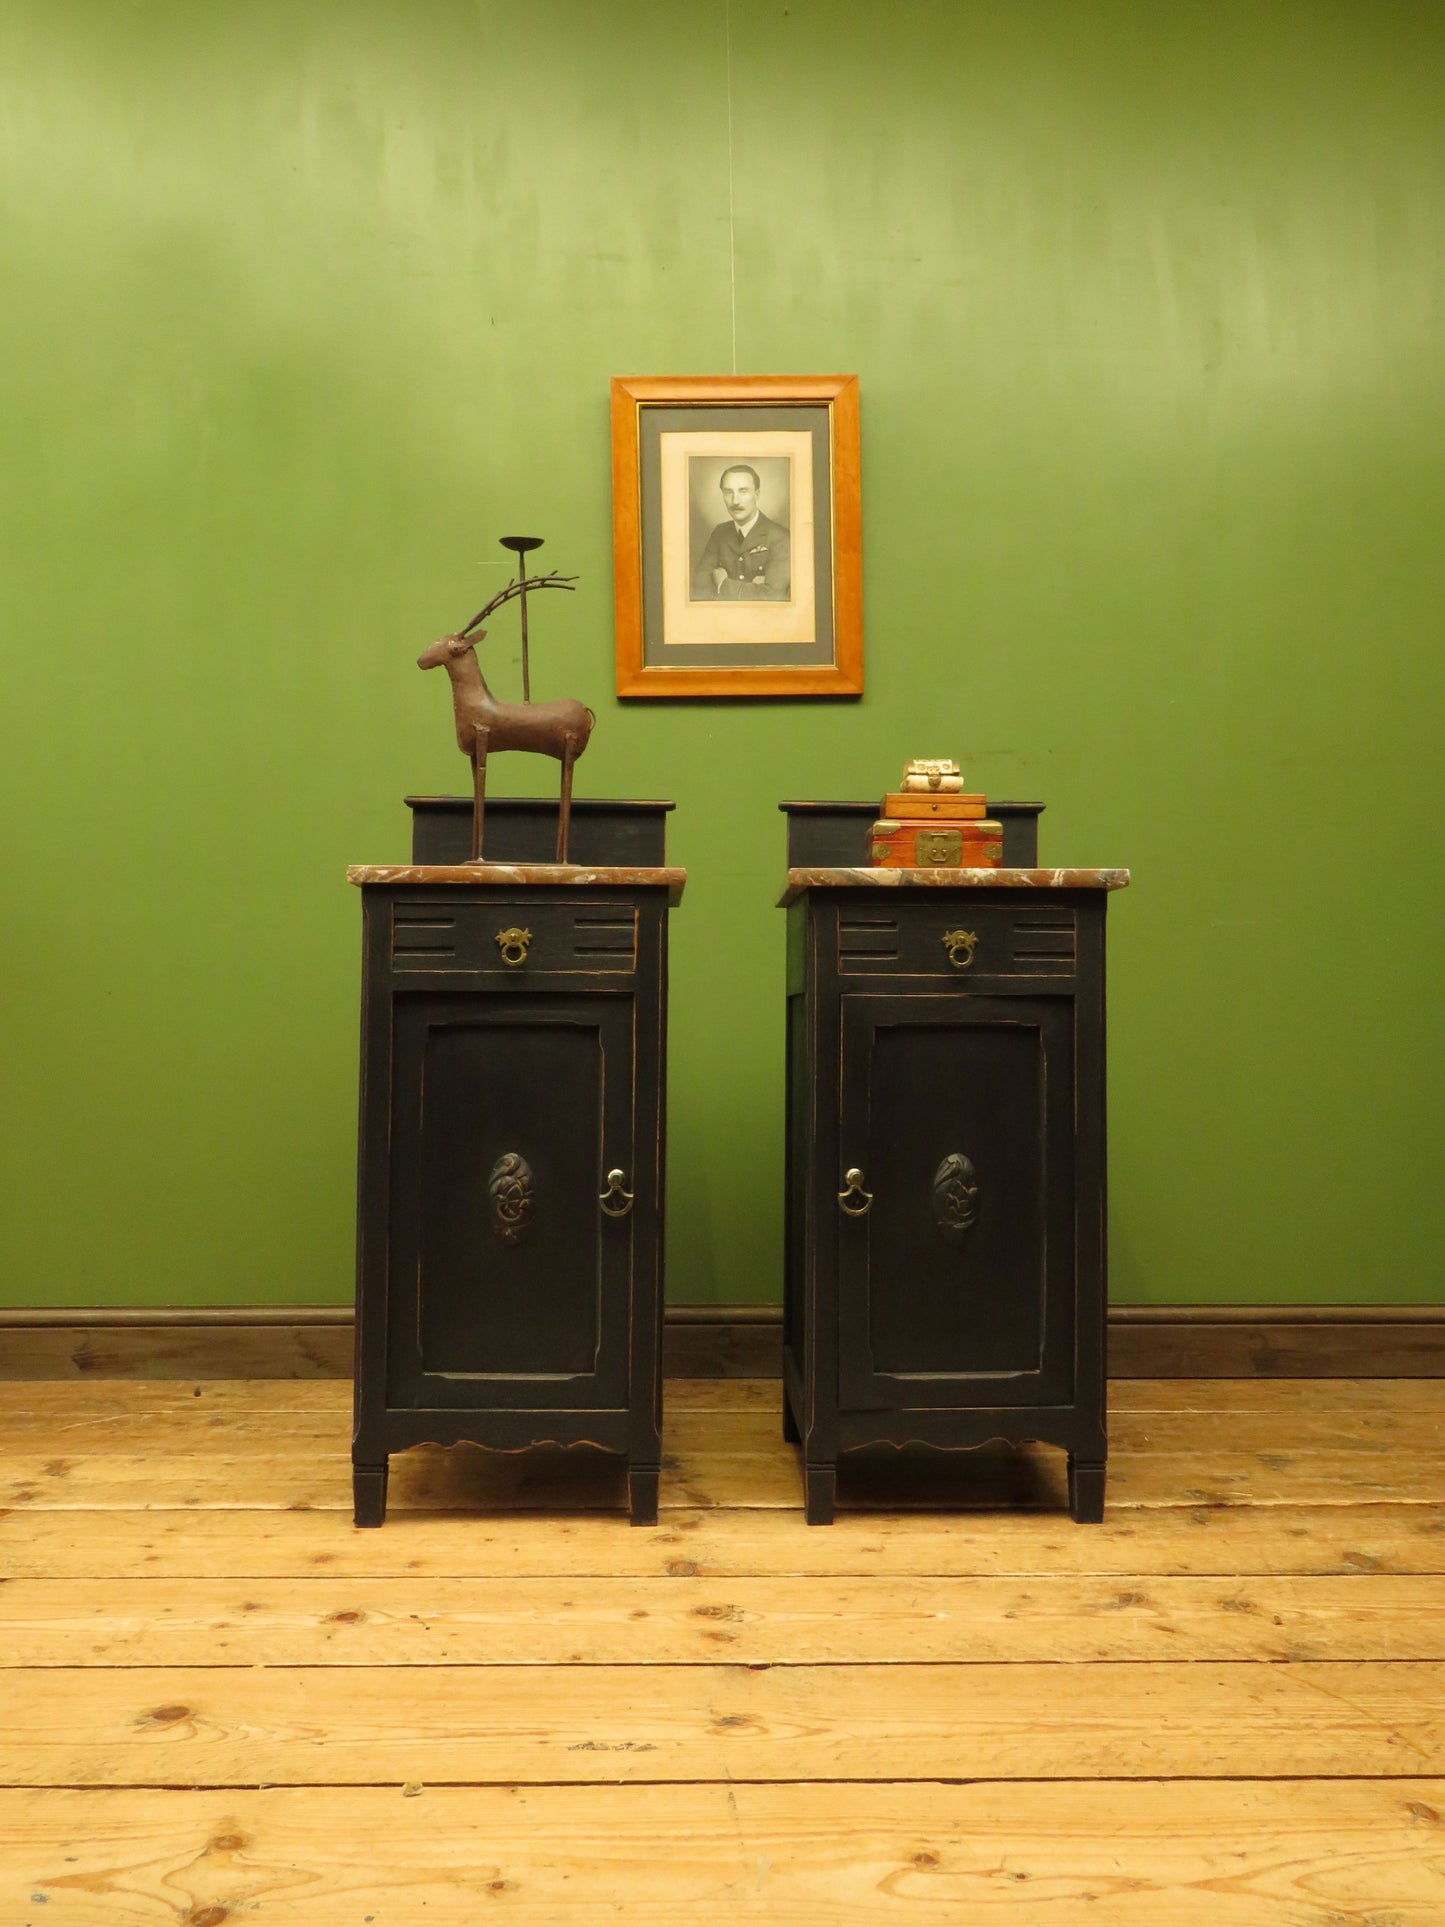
<point x="747" y="558"/>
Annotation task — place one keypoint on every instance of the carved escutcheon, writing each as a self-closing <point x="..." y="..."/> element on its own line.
<point x="955" y="1198"/>
<point x="511" y="1192"/>
<point x="513" y="944"/>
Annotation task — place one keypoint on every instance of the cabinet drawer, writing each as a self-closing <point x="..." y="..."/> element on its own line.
<point x="955" y="939"/>
<point x="514" y="938"/>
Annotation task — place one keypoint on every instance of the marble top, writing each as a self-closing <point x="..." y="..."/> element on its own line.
<point x="944" y="879"/>
<point x="512" y="875"/>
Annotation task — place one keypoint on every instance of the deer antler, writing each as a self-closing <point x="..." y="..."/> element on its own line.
<point x="514" y="588"/>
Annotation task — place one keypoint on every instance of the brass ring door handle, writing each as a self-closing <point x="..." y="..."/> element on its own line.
<point x="513" y="944"/>
<point x="615" y="1183"/>
<point x="960" y="945"/>
<point x="853" y="1178"/>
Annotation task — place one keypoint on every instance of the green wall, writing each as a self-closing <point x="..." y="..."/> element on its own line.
<point x="304" y="305"/>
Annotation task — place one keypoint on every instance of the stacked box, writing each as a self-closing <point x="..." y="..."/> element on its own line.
<point x="923" y="774"/>
<point x="933" y="823"/>
<point x="908" y="806"/>
<point x="912" y="843"/>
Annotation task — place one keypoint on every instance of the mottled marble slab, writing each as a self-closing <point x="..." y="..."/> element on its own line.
<point x="512" y="876"/>
<point x="942" y="879"/>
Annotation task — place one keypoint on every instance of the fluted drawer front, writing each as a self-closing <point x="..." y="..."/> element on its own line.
<point x="514" y="937"/>
<point x="956" y="938"/>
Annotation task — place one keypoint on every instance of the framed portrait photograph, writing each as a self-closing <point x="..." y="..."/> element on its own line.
<point x="736" y="535"/>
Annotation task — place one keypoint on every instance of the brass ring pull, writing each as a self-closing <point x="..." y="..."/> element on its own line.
<point x="960" y="945"/>
<point x="853" y="1178"/>
<point x="513" y="944"/>
<point x="615" y="1183"/>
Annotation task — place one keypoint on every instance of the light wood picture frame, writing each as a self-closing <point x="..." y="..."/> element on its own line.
<point x="737" y="535"/>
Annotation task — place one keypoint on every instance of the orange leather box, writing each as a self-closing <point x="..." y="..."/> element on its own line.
<point x="956" y="845"/>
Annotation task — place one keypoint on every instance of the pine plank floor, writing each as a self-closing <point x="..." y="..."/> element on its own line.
<point x="222" y="1703"/>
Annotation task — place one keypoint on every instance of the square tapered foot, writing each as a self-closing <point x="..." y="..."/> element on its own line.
<point x="820" y="1483"/>
<point x="368" y="1493"/>
<point x="1086" y="1491"/>
<point x="642" y="1494"/>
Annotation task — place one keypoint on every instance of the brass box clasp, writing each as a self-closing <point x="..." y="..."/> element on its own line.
<point x="938" y="847"/>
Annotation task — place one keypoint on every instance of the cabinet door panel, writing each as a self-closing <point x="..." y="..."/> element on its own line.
<point x="517" y="1284"/>
<point x="957" y="1285"/>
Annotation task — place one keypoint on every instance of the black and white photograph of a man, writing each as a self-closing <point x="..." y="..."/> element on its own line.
<point x="747" y="557"/>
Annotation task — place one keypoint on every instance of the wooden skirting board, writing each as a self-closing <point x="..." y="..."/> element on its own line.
<point x="726" y="1341"/>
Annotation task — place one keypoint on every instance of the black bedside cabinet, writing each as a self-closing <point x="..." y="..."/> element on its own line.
<point x="511" y="1163"/>
<point x="945" y="1272"/>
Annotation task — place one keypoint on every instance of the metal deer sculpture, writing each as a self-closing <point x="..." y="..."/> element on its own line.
<point x="559" y="729"/>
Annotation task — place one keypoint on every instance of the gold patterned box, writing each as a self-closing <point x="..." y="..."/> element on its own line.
<point x="932" y="776"/>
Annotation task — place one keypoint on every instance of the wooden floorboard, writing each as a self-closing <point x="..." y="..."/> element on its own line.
<point x="118" y="1543"/>
<point x="502" y="1725"/>
<point x="687" y="1621"/>
<point x="223" y="1703"/>
<point x="698" y="1437"/>
<point x="78" y="1402"/>
<point x="737" y="1470"/>
<point x="1160" y="1854"/>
